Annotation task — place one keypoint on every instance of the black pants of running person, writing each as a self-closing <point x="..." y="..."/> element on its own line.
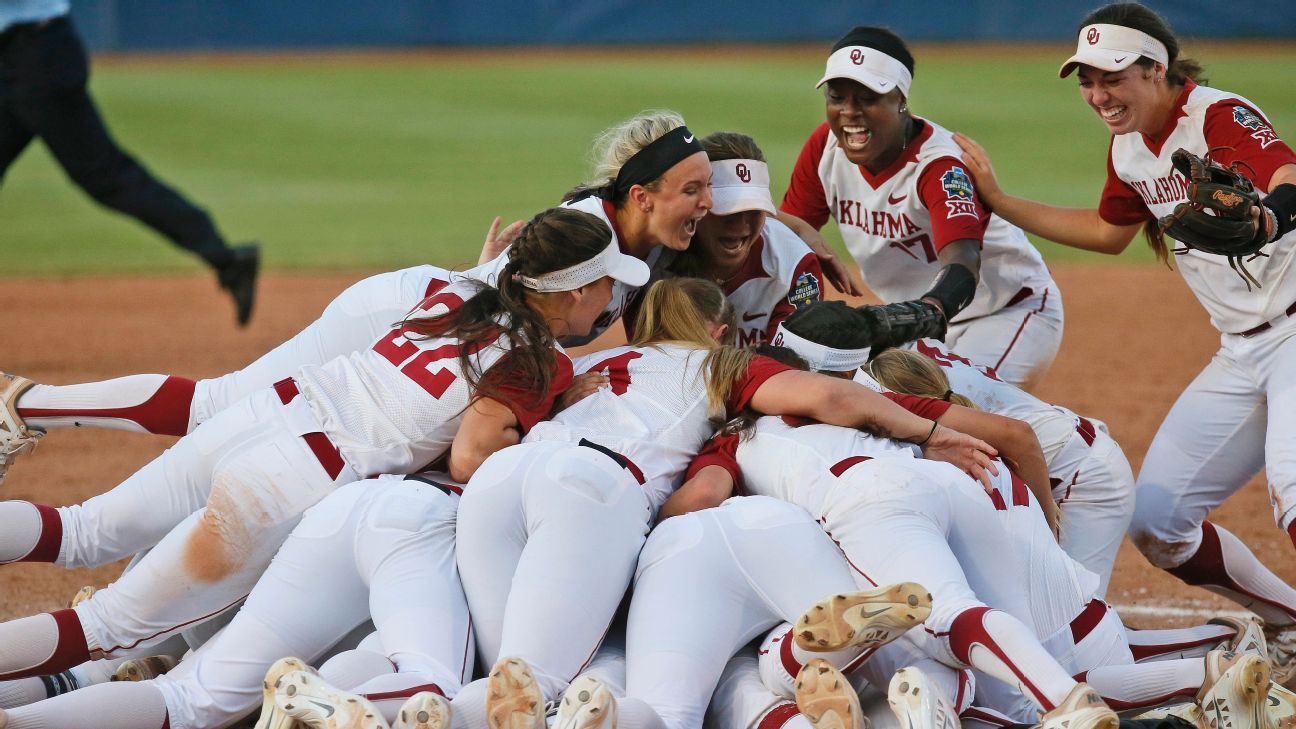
<point x="43" y="75"/>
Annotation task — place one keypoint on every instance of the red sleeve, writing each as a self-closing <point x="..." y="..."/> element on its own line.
<point x="529" y="406"/>
<point x="923" y="407"/>
<point x="807" y="287"/>
<point x="946" y="190"/>
<point x="1230" y="123"/>
<point x="759" y="370"/>
<point x="1120" y="204"/>
<point x="805" y="196"/>
<point x="722" y="451"/>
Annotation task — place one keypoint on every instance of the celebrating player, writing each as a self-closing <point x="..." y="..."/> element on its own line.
<point x="913" y="220"/>
<point x="456" y="380"/>
<point x="1234" y="418"/>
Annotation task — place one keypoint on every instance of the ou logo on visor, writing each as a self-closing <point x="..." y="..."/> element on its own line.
<point x="743" y="173"/>
<point x="857" y="57"/>
<point x="1092" y="36"/>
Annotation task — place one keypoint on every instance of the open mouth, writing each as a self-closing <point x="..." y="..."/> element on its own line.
<point x="690" y="227"/>
<point x="856" y="138"/>
<point x="732" y="244"/>
<point x="1113" y="114"/>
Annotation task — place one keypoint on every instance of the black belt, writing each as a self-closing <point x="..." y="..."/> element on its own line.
<point x="621" y="460"/>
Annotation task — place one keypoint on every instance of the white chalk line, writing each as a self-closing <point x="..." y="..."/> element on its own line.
<point x="1178" y="612"/>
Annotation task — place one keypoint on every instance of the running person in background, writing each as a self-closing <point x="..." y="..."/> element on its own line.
<point x="913" y="220"/>
<point x="1236" y="416"/>
<point x="662" y="196"/>
<point x="765" y="270"/>
<point x="469" y="369"/>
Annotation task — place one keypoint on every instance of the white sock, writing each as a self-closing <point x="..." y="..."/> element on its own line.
<point x="27" y="643"/>
<point x="637" y="714"/>
<point x="1145" y="685"/>
<point x="120" y="705"/>
<point x="468" y="708"/>
<point x="780" y="659"/>
<point x="1169" y="643"/>
<point x="996" y="643"/>
<point x="138" y="403"/>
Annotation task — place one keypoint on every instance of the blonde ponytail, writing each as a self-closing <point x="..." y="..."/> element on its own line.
<point x="910" y="373"/>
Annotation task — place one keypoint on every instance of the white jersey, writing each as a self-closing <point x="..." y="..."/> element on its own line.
<point x="894" y="223"/>
<point x="781" y="275"/>
<point x="395" y="407"/>
<point x="796" y="460"/>
<point x="1064" y="436"/>
<point x="654" y="413"/>
<point x="1142" y="185"/>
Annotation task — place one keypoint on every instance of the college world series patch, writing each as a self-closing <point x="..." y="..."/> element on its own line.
<point x="804" y="291"/>
<point x="958" y="188"/>
<point x="1260" y="131"/>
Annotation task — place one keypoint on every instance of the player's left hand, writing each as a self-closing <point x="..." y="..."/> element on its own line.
<point x="972" y="455"/>
<point x="498" y="240"/>
<point x="582" y="386"/>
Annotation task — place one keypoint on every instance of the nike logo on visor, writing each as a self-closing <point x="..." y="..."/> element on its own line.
<point x="1122" y="58"/>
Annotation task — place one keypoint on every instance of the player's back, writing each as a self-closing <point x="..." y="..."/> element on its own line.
<point x="654" y="412"/>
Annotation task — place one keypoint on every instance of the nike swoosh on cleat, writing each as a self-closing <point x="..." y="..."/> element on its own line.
<point x="879" y="611"/>
<point x="326" y="707"/>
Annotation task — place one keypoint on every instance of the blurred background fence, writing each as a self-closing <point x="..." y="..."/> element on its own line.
<point x="131" y="25"/>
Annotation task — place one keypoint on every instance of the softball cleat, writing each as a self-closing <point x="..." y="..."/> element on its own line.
<point x="1248" y="635"/>
<point x="918" y="703"/>
<point x="311" y="702"/>
<point x="423" y="710"/>
<point x="1282" y="655"/>
<point x="85" y="593"/>
<point x="826" y="699"/>
<point x="864" y="619"/>
<point x="513" y="698"/>
<point x="143" y="669"/>
<point x="1083" y="708"/>
<point x="1281" y="707"/>
<point x="1234" y="695"/>
<point x="16" y="438"/>
<point x="587" y="704"/>
<point x="271" y="716"/>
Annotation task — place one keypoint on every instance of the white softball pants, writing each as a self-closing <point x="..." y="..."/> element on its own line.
<point x="1097" y="507"/>
<point x="1019" y="341"/>
<point x="382" y="548"/>
<point x="548" y="535"/>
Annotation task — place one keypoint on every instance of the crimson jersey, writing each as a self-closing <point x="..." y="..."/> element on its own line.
<point x="655" y="410"/>
<point x="895" y="222"/>
<point x="1143" y="185"/>
<point x="781" y="275"/>
<point x="395" y="407"/>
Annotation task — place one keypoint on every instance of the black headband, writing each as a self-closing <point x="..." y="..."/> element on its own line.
<point x="652" y="161"/>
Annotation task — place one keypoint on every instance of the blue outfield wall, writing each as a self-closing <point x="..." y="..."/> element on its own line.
<point x="250" y="24"/>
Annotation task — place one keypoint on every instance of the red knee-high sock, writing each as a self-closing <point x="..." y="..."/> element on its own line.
<point x="152" y="403"/>
<point x="41" y="645"/>
<point x="1224" y="565"/>
<point x="1002" y="646"/>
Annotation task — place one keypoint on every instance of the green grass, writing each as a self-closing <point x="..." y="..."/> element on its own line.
<point x="379" y="163"/>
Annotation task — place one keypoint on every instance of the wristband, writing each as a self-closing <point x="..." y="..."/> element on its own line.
<point x="954" y="288"/>
<point x="1282" y="202"/>
<point x="930" y="433"/>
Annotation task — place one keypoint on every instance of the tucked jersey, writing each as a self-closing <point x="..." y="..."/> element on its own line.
<point x="781" y="275"/>
<point x="395" y="407"/>
<point x="1061" y="433"/>
<point x="895" y="222"/>
<point x="654" y="412"/>
<point x="1142" y="185"/>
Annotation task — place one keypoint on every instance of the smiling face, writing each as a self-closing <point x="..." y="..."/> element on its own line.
<point x="726" y="240"/>
<point x="592" y="299"/>
<point x="1129" y="100"/>
<point x="682" y="198"/>
<point x="869" y="126"/>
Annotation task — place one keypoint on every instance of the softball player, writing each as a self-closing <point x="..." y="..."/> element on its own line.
<point x="1234" y="417"/>
<point x="387" y="409"/>
<point x="761" y="265"/>
<point x="662" y="197"/>
<point x="913" y="220"/>
<point x="548" y="531"/>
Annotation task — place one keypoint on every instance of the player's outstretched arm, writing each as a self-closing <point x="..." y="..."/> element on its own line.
<point x="709" y="487"/>
<point x="1076" y="227"/>
<point x="488" y="426"/>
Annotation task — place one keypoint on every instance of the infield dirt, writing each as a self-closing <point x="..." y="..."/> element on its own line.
<point x="1134" y="338"/>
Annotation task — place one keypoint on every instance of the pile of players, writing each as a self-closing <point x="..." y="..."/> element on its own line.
<point x="759" y="505"/>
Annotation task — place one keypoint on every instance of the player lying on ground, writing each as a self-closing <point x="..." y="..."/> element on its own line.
<point x="1234" y="419"/>
<point x="661" y="197"/>
<point x="219" y="503"/>
<point x="913" y="220"/>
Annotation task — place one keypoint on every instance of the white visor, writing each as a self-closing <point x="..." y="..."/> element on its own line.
<point x="820" y="357"/>
<point x="610" y="262"/>
<point x="739" y="185"/>
<point x="869" y="66"/>
<point x="1113" y="48"/>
